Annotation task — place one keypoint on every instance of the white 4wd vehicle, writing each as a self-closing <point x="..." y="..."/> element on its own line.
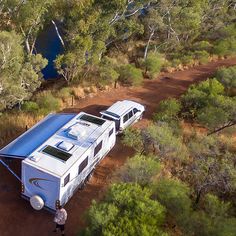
<point x="124" y="113"/>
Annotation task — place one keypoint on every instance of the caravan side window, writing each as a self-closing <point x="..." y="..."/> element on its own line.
<point x="83" y="164"/>
<point x="97" y="148"/>
<point x="66" y="180"/>
<point x="111" y="132"/>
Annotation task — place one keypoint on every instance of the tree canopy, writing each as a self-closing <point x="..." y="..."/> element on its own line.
<point x="127" y="210"/>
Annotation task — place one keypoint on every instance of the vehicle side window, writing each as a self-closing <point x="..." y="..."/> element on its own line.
<point x="83" y="164"/>
<point x="126" y="117"/>
<point x="111" y="132"/>
<point x="130" y="114"/>
<point x="66" y="180"/>
<point x="97" y="148"/>
<point x="135" y="110"/>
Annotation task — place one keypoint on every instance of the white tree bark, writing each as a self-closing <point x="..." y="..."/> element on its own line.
<point x="58" y="34"/>
<point x="148" y="43"/>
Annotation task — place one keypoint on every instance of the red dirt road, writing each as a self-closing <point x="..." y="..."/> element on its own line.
<point x="16" y="215"/>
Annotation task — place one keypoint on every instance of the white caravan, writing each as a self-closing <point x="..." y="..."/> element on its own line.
<point x="124" y="113"/>
<point x="59" y="154"/>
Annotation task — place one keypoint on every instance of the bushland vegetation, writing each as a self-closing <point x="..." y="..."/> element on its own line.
<point x="105" y="43"/>
<point x="180" y="181"/>
<point x="184" y="168"/>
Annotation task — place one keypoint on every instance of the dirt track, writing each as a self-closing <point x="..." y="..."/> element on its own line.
<point x="16" y="215"/>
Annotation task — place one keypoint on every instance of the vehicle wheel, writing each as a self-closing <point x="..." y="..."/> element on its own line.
<point x="141" y="116"/>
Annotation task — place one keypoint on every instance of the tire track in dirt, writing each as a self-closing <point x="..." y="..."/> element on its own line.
<point x="16" y="215"/>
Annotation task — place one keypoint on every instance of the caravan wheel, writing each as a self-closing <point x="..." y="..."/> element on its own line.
<point x="82" y="185"/>
<point x="90" y="176"/>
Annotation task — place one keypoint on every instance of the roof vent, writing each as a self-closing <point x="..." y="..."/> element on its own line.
<point x="65" y="146"/>
<point x="35" y="158"/>
<point x="77" y="132"/>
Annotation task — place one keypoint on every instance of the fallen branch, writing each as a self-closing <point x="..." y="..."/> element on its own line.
<point x="218" y="130"/>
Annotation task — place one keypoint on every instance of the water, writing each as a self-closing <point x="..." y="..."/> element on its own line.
<point x="49" y="45"/>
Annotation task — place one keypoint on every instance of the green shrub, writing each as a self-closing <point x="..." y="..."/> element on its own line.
<point x="127" y="210"/>
<point x="140" y="170"/>
<point x="227" y="76"/>
<point x="175" y="196"/>
<point x="220" y="110"/>
<point x="132" y="138"/>
<point x="202" y="46"/>
<point x="107" y="71"/>
<point x="166" y="65"/>
<point x="130" y="75"/>
<point x="214" y="220"/>
<point x="187" y="60"/>
<point x="165" y="143"/>
<point x="202" y="56"/>
<point x="64" y="93"/>
<point x="47" y="102"/>
<point x="175" y="62"/>
<point x="153" y="65"/>
<point x="212" y="117"/>
<point x="225" y="47"/>
<point x="167" y="110"/>
<point x="31" y="107"/>
<point x="198" y="96"/>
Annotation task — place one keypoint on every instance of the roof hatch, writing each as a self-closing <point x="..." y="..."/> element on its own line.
<point x="65" y="146"/>
<point x="77" y="132"/>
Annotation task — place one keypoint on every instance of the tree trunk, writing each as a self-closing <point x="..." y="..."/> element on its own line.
<point x="33" y="46"/>
<point x="148" y="43"/>
<point x="58" y="34"/>
<point x="27" y="45"/>
<point x="198" y="196"/>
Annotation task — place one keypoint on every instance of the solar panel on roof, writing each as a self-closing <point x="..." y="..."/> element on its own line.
<point x="64" y="156"/>
<point x="92" y="119"/>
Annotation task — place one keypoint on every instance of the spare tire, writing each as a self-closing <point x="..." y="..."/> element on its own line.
<point x="36" y="202"/>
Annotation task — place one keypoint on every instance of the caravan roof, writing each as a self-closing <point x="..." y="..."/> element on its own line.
<point x="55" y="144"/>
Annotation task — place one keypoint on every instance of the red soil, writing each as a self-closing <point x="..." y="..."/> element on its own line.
<point x="16" y="215"/>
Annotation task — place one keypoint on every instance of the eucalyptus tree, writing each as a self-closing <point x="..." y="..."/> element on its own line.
<point x="19" y="74"/>
<point x="25" y="17"/>
<point x="30" y="19"/>
<point x="153" y="23"/>
<point x="208" y="104"/>
<point x="212" y="167"/>
<point x="216" y="15"/>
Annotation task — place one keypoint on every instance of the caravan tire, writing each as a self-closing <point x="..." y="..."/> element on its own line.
<point x="90" y="176"/>
<point x="82" y="185"/>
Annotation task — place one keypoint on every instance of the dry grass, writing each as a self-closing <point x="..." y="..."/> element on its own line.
<point x="14" y="124"/>
<point x="78" y="92"/>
